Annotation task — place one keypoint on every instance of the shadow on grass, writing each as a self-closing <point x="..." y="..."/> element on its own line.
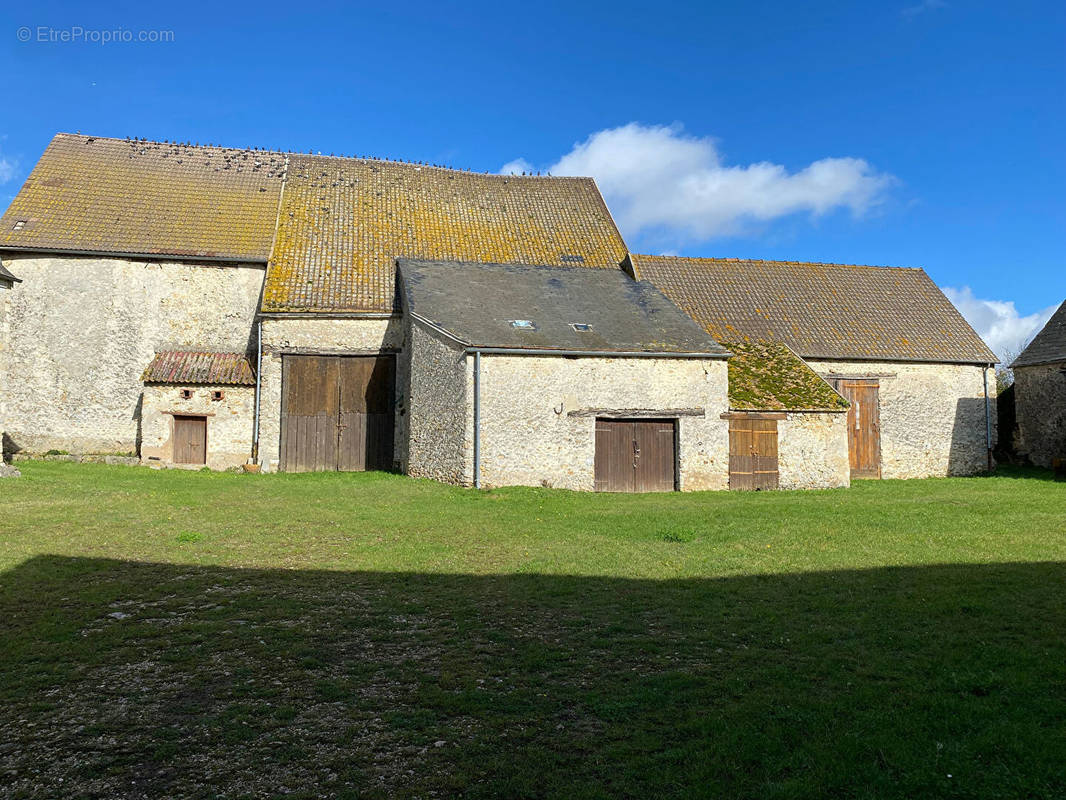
<point x="126" y="679"/>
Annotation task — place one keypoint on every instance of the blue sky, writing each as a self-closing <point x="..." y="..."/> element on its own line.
<point x="913" y="133"/>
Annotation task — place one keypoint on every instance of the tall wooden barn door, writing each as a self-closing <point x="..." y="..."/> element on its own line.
<point x="752" y="453"/>
<point x="190" y="440"/>
<point x="864" y="426"/>
<point x="337" y="413"/>
<point x="635" y="455"/>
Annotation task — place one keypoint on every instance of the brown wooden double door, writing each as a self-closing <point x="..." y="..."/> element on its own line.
<point x="635" y="455"/>
<point x="337" y="413"/>
<point x="864" y="426"/>
<point x="752" y="453"/>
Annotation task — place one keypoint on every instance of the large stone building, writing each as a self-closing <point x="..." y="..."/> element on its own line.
<point x="1040" y="394"/>
<point x="205" y="306"/>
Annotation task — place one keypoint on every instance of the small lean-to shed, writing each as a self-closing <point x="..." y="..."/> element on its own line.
<point x="197" y="410"/>
<point x="787" y="426"/>
<point x="1040" y="394"/>
<point x="554" y="376"/>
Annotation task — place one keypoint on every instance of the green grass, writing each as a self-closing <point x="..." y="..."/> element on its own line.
<point x="188" y="634"/>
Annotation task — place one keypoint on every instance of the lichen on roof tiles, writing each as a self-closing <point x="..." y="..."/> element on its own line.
<point x="1049" y="345"/>
<point x="344" y="222"/>
<point x="198" y="367"/>
<point x="768" y="376"/>
<point x="825" y="311"/>
<point x="131" y="197"/>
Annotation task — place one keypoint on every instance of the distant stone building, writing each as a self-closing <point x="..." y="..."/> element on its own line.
<point x="1040" y="394"/>
<point x="206" y="306"/>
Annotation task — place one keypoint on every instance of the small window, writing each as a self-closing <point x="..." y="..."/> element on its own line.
<point x="19" y="225"/>
<point x="523" y="324"/>
<point x="186" y="394"/>
<point x="581" y="327"/>
<point x="217" y="395"/>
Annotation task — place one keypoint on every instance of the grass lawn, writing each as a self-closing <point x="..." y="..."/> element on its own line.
<point x="183" y="634"/>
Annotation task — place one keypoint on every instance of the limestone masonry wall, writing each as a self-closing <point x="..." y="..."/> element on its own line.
<point x="528" y="437"/>
<point x="351" y="336"/>
<point x="229" y="423"/>
<point x="812" y="451"/>
<point x="87" y="328"/>
<point x="440" y="417"/>
<point x="932" y="415"/>
<point x="1040" y="395"/>
<point x="6" y="293"/>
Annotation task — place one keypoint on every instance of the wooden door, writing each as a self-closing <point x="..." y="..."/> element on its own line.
<point x="190" y="440"/>
<point x="864" y="426"/>
<point x="635" y="455"/>
<point x="366" y="413"/>
<point x="336" y="413"/>
<point x="752" y="453"/>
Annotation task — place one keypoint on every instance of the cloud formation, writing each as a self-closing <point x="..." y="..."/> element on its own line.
<point x="998" y="321"/>
<point x="657" y="178"/>
<point x="7" y="170"/>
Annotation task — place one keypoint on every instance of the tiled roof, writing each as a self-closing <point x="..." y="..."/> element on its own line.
<point x="345" y="221"/>
<point x="819" y="310"/>
<point x="98" y="195"/>
<point x="767" y="376"/>
<point x="566" y="308"/>
<point x="182" y="366"/>
<point x="1049" y="345"/>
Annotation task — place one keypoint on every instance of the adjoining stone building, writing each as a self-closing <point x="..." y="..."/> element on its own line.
<point x="916" y="374"/>
<point x="554" y="376"/>
<point x="1040" y="394"/>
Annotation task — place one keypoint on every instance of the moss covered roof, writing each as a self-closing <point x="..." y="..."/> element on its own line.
<point x="132" y="197"/>
<point x="344" y="221"/>
<point x="768" y="376"/>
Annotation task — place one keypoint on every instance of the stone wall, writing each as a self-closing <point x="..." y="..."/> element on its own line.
<point x="229" y="423"/>
<point x="528" y="436"/>
<point x="326" y="336"/>
<point x="439" y="384"/>
<point x="813" y="451"/>
<point x="86" y="329"/>
<point x="6" y="293"/>
<point x="1040" y="397"/>
<point x="932" y="415"/>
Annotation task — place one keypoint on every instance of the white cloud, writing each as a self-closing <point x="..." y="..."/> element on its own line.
<point x="657" y="178"/>
<point x="516" y="167"/>
<point x="926" y="5"/>
<point x="998" y="321"/>
<point x="7" y="170"/>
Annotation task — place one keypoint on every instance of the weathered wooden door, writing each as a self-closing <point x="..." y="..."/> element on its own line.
<point x="752" y="453"/>
<point x="190" y="440"/>
<point x="864" y="426"/>
<point x="337" y="413"/>
<point x="635" y="455"/>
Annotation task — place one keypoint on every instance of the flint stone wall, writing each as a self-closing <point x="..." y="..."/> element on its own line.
<point x="1040" y="397"/>
<point x="87" y="328"/>
<point x="932" y="415"/>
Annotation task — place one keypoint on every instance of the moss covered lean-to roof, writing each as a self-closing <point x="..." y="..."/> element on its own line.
<point x="768" y="376"/>
<point x="345" y="221"/>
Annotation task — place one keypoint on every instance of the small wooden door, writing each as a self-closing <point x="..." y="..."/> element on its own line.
<point x="752" y="453"/>
<point x="190" y="440"/>
<point x="337" y="413"/>
<point x="864" y="426"/>
<point x="635" y="455"/>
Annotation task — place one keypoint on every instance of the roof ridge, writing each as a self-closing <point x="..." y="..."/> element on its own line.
<point x="719" y="259"/>
<point x="330" y="157"/>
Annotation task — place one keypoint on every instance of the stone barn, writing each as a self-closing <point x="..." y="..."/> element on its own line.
<point x="1040" y="394"/>
<point x="916" y="375"/>
<point x="202" y="306"/>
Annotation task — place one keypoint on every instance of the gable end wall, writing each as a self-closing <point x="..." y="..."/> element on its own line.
<point x="1040" y="395"/>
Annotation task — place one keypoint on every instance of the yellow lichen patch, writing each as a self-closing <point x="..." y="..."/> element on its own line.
<point x="136" y="197"/>
<point x="344" y="222"/>
<point x="767" y="376"/>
